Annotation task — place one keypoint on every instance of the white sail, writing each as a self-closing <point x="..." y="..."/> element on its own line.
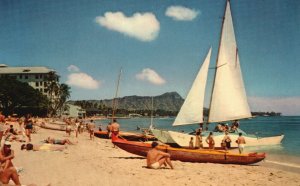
<point x="229" y="100"/>
<point x="192" y="109"/>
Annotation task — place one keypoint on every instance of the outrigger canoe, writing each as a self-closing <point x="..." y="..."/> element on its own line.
<point x="52" y="126"/>
<point x="192" y="155"/>
<point x="127" y="135"/>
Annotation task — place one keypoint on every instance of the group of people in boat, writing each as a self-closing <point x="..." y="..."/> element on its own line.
<point x="223" y="127"/>
<point x="226" y="141"/>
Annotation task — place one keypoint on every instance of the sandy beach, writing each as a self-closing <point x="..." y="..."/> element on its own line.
<point x="98" y="163"/>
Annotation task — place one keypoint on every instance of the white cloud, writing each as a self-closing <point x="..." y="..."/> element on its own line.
<point x="180" y="13"/>
<point x="142" y="26"/>
<point x="151" y="76"/>
<point x="286" y="105"/>
<point x="73" y="68"/>
<point x="82" y="80"/>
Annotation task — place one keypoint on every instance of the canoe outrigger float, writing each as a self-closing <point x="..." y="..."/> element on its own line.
<point x="191" y="155"/>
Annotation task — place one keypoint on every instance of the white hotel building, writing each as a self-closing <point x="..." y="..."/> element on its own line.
<point x="36" y="77"/>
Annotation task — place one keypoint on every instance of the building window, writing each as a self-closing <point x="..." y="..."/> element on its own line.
<point x="41" y="76"/>
<point x="45" y="90"/>
<point x="36" y="76"/>
<point x="45" y="84"/>
<point x="36" y="84"/>
<point x="21" y="76"/>
<point x="26" y="76"/>
<point x="41" y="83"/>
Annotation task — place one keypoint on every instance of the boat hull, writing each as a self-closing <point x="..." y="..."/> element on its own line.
<point x="183" y="139"/>
<point x="191" y="155"/>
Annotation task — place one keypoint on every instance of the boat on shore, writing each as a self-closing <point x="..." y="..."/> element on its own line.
<point x="127" y="135"/>
<point x="50" y="126"/>
<point x="228" y="100"/>
<point x="191" y="155"/>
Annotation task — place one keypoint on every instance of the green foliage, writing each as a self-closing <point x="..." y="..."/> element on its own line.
<point x="20" y="98"/>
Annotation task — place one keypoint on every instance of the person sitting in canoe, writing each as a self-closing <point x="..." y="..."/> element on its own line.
<point x="157" y="158"/>
<point x="234" y="126"/>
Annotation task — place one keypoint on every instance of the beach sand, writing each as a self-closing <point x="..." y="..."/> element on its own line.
<point x="98" y="163"/>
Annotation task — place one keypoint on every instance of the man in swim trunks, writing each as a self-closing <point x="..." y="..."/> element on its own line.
<point x="91" y="127"/>
<point x="241" y="143"/>
<point x="156" y="158"/>
<point x="115" y="128"/>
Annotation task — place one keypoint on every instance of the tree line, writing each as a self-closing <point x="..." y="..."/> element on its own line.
<point x="20" y="98"/>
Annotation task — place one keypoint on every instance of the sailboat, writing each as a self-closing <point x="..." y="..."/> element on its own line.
<point x="228" y="99"/>
<point x="192" y="112"/>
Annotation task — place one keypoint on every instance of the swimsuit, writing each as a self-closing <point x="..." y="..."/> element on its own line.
<point x="155" y="165"/>
<point x="57" y="142"/>
<point x="241" y="147"/>
<point x="28" y="126"/>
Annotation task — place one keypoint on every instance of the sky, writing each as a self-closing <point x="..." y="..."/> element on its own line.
<point x="160" y="45"/>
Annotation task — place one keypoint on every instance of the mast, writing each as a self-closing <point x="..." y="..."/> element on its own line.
<point x="214" y="80"/>
<point x="151" y="121"/>
<point x="114" y="104"/>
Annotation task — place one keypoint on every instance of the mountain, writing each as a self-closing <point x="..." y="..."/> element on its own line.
<point x="170" y="101"/>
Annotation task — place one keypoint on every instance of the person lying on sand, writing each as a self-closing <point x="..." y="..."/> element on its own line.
<point x="44" y="147"/>
<point x="58" y="142"/>
<point x="156" y="158"/>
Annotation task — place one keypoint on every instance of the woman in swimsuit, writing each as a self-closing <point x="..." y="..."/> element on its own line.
<point x="210" y="141"/>
<point x="28" y="126"/>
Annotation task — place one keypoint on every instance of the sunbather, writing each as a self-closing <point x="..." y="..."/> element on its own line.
<point x="44" y="147"/>
<point x="58" y="142"/>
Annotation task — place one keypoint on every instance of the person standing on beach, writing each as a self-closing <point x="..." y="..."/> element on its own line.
<point x="198" y="142"/>
<point x="115" y="128"/>
<point x="91" y="127"/>
<point x="226" y="141"/>
<point x="241" y="143"/>
<point x="108" y="128"/>
<point x="2" y="128"/>
<point x="28" y="126"/>
<point x="210" y="141"/>
<point x="68" y="127"/>
<point x="156" y="158"/>
<point x="191" y="144"/>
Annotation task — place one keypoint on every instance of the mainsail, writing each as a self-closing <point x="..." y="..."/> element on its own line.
<point x="192" y="108"/>
<point x="229" y="100"/>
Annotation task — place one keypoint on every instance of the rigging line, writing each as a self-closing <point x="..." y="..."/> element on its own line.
<point x="116" y="95"/>
<point x="236" y="56"/>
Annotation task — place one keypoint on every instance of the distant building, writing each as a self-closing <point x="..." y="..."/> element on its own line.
<point x="36" y="77"/>
<point x="74" y="111"/>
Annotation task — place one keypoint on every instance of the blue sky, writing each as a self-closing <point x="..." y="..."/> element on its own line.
<point x="159" y="44"/>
